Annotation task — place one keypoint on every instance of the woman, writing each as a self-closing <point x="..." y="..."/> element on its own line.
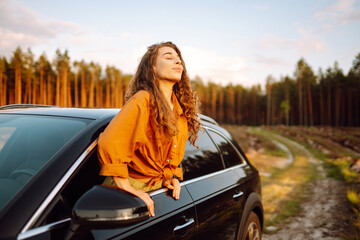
<point x="142" y="147"/>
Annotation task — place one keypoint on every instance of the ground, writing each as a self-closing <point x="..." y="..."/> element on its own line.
<point x="324" y="212"/>
<point x="300" y="200"/>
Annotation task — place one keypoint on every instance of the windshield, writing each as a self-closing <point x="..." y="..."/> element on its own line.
<point x="27" y="143"/>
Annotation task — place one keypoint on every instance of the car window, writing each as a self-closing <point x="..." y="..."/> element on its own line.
<point x="203" y="160"/>
<point x="81" y="181"/>
<point x="27" y="143"/>
<point x="230" y="155"/>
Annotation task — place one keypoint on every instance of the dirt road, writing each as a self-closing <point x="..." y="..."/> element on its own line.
<point x="324" y="213"/>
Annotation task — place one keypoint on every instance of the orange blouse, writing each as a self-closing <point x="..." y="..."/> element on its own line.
<point x="130" y="146"/>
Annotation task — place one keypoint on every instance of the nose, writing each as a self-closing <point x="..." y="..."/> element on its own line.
<point x="178" y="61"/>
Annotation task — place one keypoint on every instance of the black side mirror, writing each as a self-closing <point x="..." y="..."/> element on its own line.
<point x="106" y="207"/>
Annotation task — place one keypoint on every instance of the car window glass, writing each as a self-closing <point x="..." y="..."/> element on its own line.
<point x="27" y="143"/>
<point x="81" y="181"/>
<point x="230" y="155"/>
<point x="202" y="161"/>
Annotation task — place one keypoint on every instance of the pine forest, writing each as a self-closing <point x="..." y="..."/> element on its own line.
<point x="326" y="97"/>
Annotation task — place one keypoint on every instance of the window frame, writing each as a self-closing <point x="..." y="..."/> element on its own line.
<point x="230" y="142"/>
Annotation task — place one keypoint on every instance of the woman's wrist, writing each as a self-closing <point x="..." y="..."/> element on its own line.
<point x="123" y="183"/>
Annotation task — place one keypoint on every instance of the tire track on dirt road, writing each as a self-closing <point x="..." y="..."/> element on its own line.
<point x="323" y="212"/>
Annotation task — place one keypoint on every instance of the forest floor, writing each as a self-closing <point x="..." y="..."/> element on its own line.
<point x="302" y="197"/>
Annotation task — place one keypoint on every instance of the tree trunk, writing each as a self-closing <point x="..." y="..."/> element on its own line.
<point x="349" y="108"/>
<point x="34" y="91"/>
<point x="329" y="104"/>
<point x="50" y="95"/>
<point x="113" y="93"/>
<point x="268" y="105"/>
<point x="238" y="108"/>
<point x="287" y="96"/>
<point x="57" y="94"/>
<point x="98" y="95"/>
<point x="69" y="95"/>
<point x="4" y="95"/>
<point x="213" y="102"/>
<point x="64" y="87"/>
<point x="311" y="116"/>
<point x="255" y="110"/>
<point x="83" y="90"/>
<point x="91" y="90"/>
<point x="221" y="106"/>
<point x="322" y="105"/>
<point x="1" y="88"/>
<point x="107" y="102"/>
<point x="76" y="90"/>
<point x="42" y="86"/>
<point x="17" y="85"/>
<point x="337" y="106"/>
<point x="300" y="102"/>
<point x="121" y="94"/>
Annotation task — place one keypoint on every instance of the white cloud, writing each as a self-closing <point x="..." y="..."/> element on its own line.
<point x="212" y="66"/>
<point x="22" y="26"/>
<point x="262" y="7"/>
<point x="342" y="11"/>
<point x="9" y="41"/>
<point x="307" y="43"/>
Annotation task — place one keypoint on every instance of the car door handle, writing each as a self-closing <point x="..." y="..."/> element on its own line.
<point x="181" y="230"/>
<point x="237" y="195"/>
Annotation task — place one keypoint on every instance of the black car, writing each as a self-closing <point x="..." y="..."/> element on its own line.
<point x="50" y="186"/>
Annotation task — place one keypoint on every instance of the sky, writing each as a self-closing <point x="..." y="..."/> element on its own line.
<point x="239" y="42"/>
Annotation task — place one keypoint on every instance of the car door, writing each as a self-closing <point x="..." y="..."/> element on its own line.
<point x="216" y="190"/>
<point x="175" y="219"/>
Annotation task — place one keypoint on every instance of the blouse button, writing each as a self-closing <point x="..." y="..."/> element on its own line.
<point x="174" y="146"/>
<point x="168" y="160"/>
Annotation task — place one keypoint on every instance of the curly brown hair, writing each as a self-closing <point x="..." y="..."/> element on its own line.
<point x="145" y="79"/>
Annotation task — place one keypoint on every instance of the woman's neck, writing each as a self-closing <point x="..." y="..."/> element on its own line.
<point x="166" y="87"/>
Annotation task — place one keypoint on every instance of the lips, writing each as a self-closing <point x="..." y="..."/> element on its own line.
<point x="178" y="69"/>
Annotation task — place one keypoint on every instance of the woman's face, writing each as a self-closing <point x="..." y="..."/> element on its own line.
<point x="168" y="65"/>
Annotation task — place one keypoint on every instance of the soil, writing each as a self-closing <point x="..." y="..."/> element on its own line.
<point x="325" y="212"/>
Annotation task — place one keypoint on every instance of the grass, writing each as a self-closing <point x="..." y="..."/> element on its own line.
<point x="284" y="191"/>
<point x="337" y="166"/>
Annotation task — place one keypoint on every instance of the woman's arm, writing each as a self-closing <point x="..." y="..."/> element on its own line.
<point x="123" y="183"/>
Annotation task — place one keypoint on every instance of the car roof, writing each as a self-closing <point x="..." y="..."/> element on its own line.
<point x="93" y="113"/>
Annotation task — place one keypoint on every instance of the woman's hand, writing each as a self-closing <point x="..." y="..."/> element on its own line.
<point x="123" y="183"/>
<point x="174" y="185"/>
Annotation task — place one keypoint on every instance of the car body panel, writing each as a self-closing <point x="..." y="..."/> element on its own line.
<point x="219" y="200"/>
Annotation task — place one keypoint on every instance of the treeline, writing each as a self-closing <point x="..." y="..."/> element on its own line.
<point x="329" y="97"/>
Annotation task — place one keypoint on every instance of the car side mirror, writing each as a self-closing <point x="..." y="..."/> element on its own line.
<point x="105" y="207"/>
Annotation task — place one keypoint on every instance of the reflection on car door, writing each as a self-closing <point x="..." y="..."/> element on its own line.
<point x="217" y="193"/>
<point x="174" y="219"/>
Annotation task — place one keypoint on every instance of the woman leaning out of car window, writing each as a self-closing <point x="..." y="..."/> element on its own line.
<point x="143" y="145"/>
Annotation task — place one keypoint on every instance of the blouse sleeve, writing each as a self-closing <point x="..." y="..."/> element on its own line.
<point x="124" y="134"/>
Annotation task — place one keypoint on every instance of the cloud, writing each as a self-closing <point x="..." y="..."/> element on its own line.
<point x="269" y="61"/>
<point x="308" y="42"/>
<point x="262" y="7"/>
<point x="342" y="11"/>
<point x="22" y="26"/>
<point x="9" y="41"/>
<point x="212" y="66"/>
